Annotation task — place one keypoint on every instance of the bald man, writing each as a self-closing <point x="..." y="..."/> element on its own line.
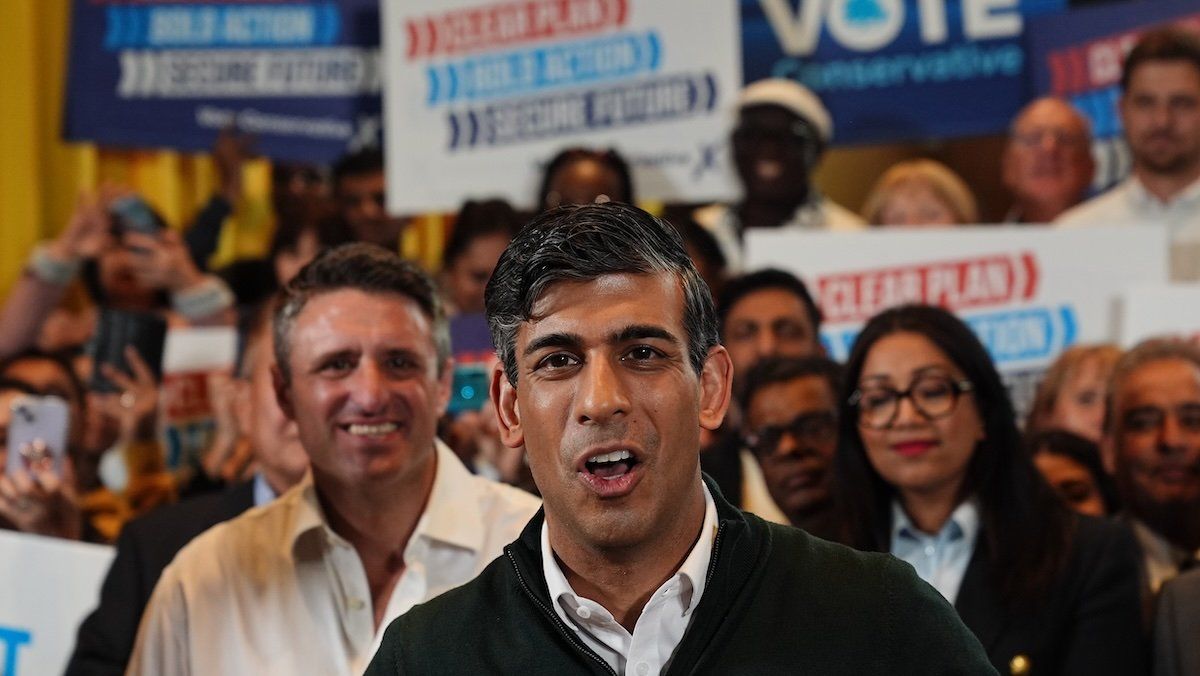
<point x="1048" y="164"/>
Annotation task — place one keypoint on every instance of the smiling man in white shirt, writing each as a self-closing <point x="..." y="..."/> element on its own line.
<point x="1160" y="111"/>
<point x="388" y="517"/>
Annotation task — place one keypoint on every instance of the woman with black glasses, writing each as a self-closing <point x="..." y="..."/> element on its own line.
<point x="930" y="468"/>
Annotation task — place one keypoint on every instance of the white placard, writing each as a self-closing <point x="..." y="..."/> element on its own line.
<point x="478" y="95"/>
<point x="1028" y="291"/>
<point x="49" y="586"/>
<point x="199" y="348"/>
<point x="1163" y="310"/>
<point x="189" y="355"/>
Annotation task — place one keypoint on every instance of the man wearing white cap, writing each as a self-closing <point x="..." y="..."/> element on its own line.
<point x="782" y="131"/>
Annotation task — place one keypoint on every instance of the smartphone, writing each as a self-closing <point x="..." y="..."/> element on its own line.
<point x="469" y="388"/>
<point x="145" y="331"/>
<point x="132" y="214"/>
<point x="37" y="434"/>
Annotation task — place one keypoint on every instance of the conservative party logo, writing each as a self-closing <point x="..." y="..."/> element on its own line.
<point x="865" y="25"/>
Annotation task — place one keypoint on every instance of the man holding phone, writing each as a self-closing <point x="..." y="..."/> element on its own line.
<point x="388" y="516"/>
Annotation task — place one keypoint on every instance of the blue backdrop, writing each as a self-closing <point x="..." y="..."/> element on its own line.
<point x="302" y="76"/>
<point x="894" y="70"/>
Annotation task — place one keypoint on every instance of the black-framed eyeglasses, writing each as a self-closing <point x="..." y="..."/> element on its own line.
<point x="1144" y="419"/>
<point x="812" y="428"/>
<point x="933" y="395"/>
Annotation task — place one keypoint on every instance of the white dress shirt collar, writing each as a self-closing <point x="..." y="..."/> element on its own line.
<point x="663" y="621"/>
<point x="444" y="519"/>
<point x="941" y="559"/>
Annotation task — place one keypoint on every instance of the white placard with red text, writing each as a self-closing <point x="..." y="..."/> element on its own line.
<point x="1028" y="291"/>
<point x="189" y="355"/>
<point x="49" y="586"/>
<point x="479" y="94"/>
<point x="1161" y="310"/>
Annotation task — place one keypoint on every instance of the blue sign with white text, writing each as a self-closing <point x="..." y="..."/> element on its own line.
<point x="302" y="77"/>
<point x="1010" y="336"/>
<point x="893" y="70"/>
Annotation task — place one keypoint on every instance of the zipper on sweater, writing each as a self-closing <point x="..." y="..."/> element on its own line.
<point x="556" y="620"/>
<point x="712" y="562"/>
<point x="712" y="569"/>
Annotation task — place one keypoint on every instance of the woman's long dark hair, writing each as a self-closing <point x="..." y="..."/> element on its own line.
<point x="1025" y="530"/>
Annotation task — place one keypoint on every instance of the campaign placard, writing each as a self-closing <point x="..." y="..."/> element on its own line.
<point x="1028" y="292"/>
<point x="190" y="354"/>
<point x="1078" y="56"/>
<point x="50" y="586"/>
<point x="1159" y="311"/>
<point x="481" y="94"/>
<point x="897" y="70"/>
<point x="303" y="77"/>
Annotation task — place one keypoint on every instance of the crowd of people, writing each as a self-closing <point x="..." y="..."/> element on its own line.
<point x="387" y="431"/>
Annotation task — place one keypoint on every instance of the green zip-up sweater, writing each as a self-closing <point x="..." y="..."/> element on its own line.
<point x="777" y="601"/>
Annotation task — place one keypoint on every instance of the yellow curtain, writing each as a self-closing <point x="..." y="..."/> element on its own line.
<point x="41" y="176"/>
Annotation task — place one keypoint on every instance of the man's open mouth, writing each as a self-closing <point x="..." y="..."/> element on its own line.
<point x="610" y="466"/>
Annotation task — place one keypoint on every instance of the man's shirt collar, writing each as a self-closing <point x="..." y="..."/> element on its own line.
<point x="446" y="517"/>
<point x="692" y="573"/>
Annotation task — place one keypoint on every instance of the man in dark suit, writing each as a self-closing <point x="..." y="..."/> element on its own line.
<point x="148" y="544"/>
<point x="609" y="367"/>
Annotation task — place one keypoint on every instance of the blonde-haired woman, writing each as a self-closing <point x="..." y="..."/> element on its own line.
<point x="1072" y="393"/>
<point x="920" y="193"/>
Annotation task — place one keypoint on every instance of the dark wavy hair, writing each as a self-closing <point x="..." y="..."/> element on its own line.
<point x="1025" y="529"/>
<point x="582" y="243"/>
<point x="363" y="267"/>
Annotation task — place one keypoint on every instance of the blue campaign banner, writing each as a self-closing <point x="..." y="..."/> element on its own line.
<point x="303" y="77"/>
<point x="1078" y="56"/>
<point x="897" y="70"/>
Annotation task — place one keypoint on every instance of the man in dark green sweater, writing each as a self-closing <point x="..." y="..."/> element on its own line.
<point x="609" y="367"/>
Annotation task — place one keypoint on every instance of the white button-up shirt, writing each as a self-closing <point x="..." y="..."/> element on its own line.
<point x="1129" y="203"/>
<point x="277" y="591"/>
<point x="940" y="559"/>
<point x="660" y="627"/>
